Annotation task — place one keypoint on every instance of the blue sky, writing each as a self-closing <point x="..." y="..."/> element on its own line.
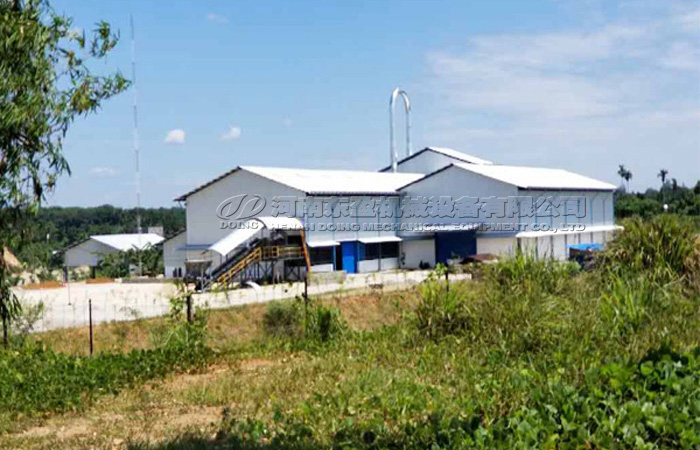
<point x="578" y="84"/>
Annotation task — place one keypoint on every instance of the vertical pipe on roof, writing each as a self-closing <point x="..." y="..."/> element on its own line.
<point x="392" y="146"/>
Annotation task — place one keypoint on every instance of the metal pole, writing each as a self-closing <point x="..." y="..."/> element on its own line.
<point x="190" y="315"/>
<point x="5" y="338"/>
<point x="306" y="299"/>
<point x="392" y="146"/>
<point x="136" y="143"/>
<point x="92" y="339"/>
<point x="306" y="287"/>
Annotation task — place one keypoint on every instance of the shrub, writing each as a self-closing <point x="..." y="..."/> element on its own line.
<point x="323" y="323"/>
<point x="523" y="274"/>
<point x="628" y="303"/>
<point x="443" y="309"/>
<point x="23" y="325"/>
<point x="663" y="248"/>
<point x="308" y="321"/>
<point x="645" y="270"/>
<point x="177" y="332"/>
<point x="519" y="305"/>
<point x="284" y="319"/>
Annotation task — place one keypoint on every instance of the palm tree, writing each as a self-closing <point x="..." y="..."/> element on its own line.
<point x="628" y="177"/>
<point x="621" y="172"/>
<point x="662" y="174"/>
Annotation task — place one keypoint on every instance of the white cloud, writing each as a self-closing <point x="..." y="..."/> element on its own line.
<point x="103" y="172"/>
<point x="625" y="92"/>
<point x="176" y="136"/>
<point x="689" y="19"/>
<point x="218" y="18"/>
<point x="233" y="134"/>
<point x="683" y="55"/>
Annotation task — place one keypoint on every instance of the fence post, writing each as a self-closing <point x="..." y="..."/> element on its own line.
<point x="190" y="315"/>
<point x="5" y="339"/>
<point x="306" y="287"/>
<point x="306" y="298"/>
<point x="92" y="339"/>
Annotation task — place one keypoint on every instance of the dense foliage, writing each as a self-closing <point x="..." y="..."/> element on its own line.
<point x="35" y="379"/>
<point x="647" y="404"/>
<point x="303" y="322"/>
<point x="56" y="228"/>
<point x="148" y="262"/>
<point x="535" y="355"/>
<point x="46" y="82"/>
<point x="680" y="200"/>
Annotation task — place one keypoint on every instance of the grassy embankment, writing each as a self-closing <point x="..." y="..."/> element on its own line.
<point x="533" y="355"/>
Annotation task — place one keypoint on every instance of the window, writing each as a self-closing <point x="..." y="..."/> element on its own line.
<point x="390" y="249"/>
<point x="321" y="255"/>
<point x="371" y="251"/>
<point x="294" y="240"/>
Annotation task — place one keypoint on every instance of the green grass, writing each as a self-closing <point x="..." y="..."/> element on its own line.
<point x="533" y="355"/>
<point x="536" y="355"/>
<point x="36" y="380"/>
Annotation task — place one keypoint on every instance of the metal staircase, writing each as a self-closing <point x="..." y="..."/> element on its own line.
<point x="255" y="255"/>
<point x="234" y="259"/>
<point x="254" y="262"/>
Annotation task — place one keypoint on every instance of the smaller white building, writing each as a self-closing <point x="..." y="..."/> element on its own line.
<point x="91" y="251"/>
<point x="173" y="255"/>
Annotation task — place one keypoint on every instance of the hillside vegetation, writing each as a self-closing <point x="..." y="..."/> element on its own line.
<point x="55" y="228"/>
<point x="680" y="200"/>
<point x="534" y="354"/>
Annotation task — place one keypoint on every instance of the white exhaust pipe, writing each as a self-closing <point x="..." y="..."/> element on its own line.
<point x="392" y="146"/>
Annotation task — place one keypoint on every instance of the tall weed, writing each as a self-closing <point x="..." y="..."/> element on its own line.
<point x="519" y="305"/>
<point x="523" y="274"/>
<point x="664" y="249"/>
<point x="444" y="309"/>
<point x="303" y="321"/>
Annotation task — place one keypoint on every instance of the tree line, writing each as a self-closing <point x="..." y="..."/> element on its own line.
<point x="670" y="197"/>
<point x="53" y="229"/>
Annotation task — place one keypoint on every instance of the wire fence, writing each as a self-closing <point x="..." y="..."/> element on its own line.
<point x="115" y="302"/>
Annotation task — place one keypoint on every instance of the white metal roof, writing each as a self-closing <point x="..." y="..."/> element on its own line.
<point x="322" y="243"/>
<point x="536" y="178"/>
<point x="250" y="228"/>
<point x="123" y="242"/>
<point x="452" y="153"/>
<point x="280" y="223"/>
<point x="543" y="233"/>
<point x="377" y="239"/>
<point x="235" y="238"/>
<point x="331" y="182"/>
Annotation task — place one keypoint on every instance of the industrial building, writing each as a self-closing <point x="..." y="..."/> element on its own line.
<point x="90" y="252"/>
<point x="173" y="257"/>
<point x="434" y="206"/>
